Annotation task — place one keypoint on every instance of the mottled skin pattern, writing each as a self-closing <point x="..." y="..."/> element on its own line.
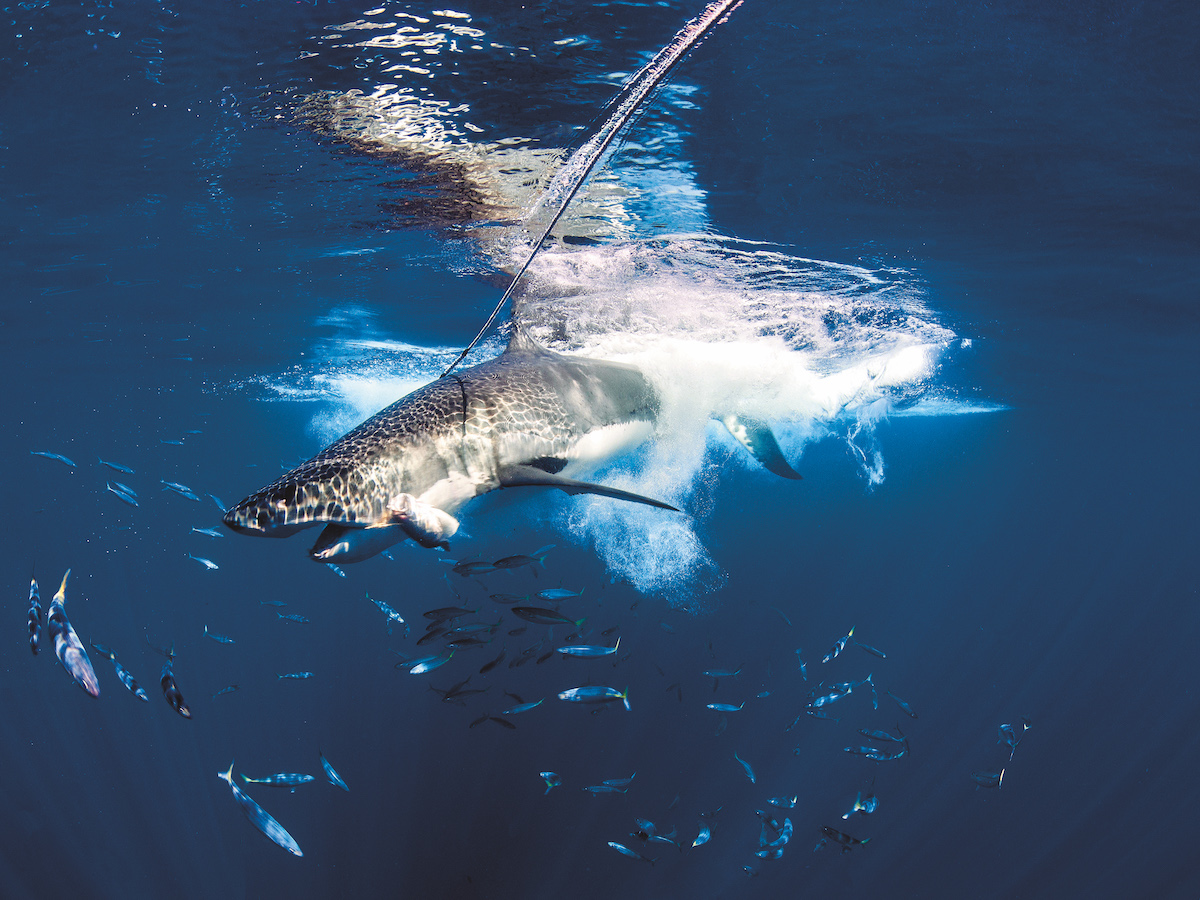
<point x="446" y="442"/>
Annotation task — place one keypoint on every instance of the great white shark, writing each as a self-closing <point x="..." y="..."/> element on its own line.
<point x="530" y="417"/>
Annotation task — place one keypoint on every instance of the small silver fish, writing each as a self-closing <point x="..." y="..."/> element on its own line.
<point x="594" y="694"/>
<point x="586" y="651"/>
<point x="904" y="706"/>
<point x="207" y="563"/>
<point x="746" y="766"/>
<point x="1011" y="737"/>
<point x="116" y="467"/>
<point x="863" y="806"/>
<point x="552" y="779"/>
<point x="219" y="638"/>
<point x="280" y="779"/>
<point x="122" y="673"/>
<point x="298" y="676"/>
<point x="992" y="780"/>
<point x="181" y="489"/>
<point x="428" y="665"/>
<point x="49" y="455"/>
<point x="703" y="837"/>
<point x="171" y="691"/>
<point x="620" y="782"/>
<point x="521" y="707"/>
<point x="722" y="673"/>
<point x="336" y="570"/>
<point x="838" y="647"/>
<point x="334" y="778"/>
<point x="123" y="496"/>
<point x="392" y="615"/>
<point x="259" y="817"/>
<point x="632" y="854"/>
<point x="294" y="617"/>
<point x="228" y="689"/>
<point x="556" y="595"/>
<point x="210" y="532"/>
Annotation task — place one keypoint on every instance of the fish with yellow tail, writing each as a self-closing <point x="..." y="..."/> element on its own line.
<point x="67" y="646"/>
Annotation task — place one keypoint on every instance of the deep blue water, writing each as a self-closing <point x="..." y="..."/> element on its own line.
<point x="180" y="255"/>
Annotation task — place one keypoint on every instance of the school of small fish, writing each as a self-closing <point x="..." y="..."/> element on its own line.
<point x="533" y="628"/>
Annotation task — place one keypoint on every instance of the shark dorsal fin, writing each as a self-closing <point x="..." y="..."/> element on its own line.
<point x="519" y="341"/>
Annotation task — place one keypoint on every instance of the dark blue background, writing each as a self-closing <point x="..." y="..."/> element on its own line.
<point x="1035" y="165"/>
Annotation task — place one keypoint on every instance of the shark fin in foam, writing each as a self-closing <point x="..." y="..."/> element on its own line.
<point x="528" y="476"/>
<point x="756" y="437"/>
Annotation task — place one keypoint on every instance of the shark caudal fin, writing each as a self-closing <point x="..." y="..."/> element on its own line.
<point x="757" y="437"/>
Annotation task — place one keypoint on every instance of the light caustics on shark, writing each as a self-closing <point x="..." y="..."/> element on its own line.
<point x="662" y="335"/>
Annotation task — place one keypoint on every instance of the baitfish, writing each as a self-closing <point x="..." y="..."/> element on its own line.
<point x="992" y="780"/>
<point x="392" y="615"/>
<point x="838" y="647"/>
<point x="539" y="616"/>
<point x="122" y="673"/>
<point x="207" y="563"/>
<point x="632" y="854"/>
<point x="552" y="779"/>
<point x="536" y="558"/>
<point x="67" y="646"/>
<point x="840" y="837"/>
<point x="280" y="779"/>
<point x="219" y="638"/>
<point x="521" y="707"/>
<point x="746" y="766"/>
<point x="35" y="615"/>
<point x="171" y="690"/>
<point x="904" y="706"/>
<point x="259" y="817"/>
<point x="181" y="489"/>
<point x="586" y="651"/>
<point x="334" y="778"/>
<point x="127" y="497"/>
<point x="594" y="694"/>
<point x="294" y="617"/>
<point x="726" y="707"/>
<point x="1011" y="737"/>
<point x="430" y="663"/>
<point x="116" y="467"/>
<point x="863" y="805"/>
<point x="298" y="676"/>
<point x="57" y="456"/>
<point x="557" y="595"/>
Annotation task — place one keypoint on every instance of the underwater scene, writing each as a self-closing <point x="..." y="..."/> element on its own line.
<point x="741" y="450"/>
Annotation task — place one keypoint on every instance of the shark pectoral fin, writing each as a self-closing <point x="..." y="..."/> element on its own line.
<point x="756" y="437"/>
<point x="528" y="476"/>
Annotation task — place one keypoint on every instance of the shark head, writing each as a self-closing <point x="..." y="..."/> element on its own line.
<point x="311" y="494"/>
